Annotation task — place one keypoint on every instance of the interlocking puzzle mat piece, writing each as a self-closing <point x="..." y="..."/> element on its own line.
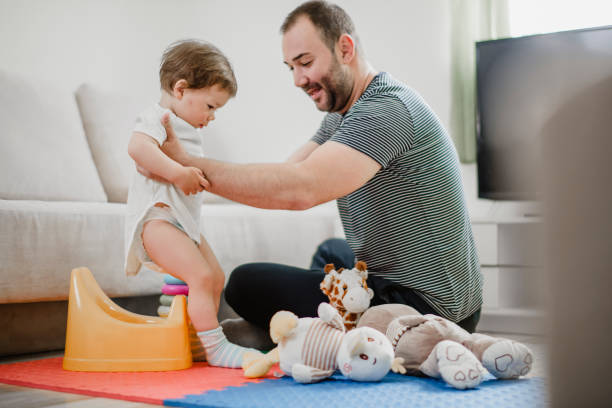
<point x="394" y="391"/>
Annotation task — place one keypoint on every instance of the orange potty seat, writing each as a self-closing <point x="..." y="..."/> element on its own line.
<point x="101" y="336"/>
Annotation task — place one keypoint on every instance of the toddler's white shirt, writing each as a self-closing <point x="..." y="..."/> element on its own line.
<point x="144" y="192"/>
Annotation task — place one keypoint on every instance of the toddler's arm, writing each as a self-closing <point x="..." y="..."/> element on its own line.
<point x="146" y="153"/>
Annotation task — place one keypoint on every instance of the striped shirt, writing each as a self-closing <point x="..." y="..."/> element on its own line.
<point x="409" y="223"/>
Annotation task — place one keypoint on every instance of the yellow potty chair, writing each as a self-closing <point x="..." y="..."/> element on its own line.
<point x="101" y="336"/>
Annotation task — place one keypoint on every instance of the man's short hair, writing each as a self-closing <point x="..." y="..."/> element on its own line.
<point x="199" y="63"/>
<point x="331" y="21"/>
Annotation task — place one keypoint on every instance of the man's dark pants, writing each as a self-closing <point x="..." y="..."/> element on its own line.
<point x="258" y="290"/>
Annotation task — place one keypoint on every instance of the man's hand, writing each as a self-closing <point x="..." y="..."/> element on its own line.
<point x="190" y="180"/>
<point x="203" y="182"/>
<point x="172" y="147"/>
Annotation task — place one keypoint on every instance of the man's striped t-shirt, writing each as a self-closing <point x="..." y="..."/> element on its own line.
<point x="409" y="223"/>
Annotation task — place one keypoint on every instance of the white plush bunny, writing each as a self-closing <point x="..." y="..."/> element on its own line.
<point x="311" y="349"/>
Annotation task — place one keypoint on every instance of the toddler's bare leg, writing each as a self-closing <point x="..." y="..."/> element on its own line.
<point x="216" y="271"/>
<point x="197" y="348"/>
<point x="177" y="254"/>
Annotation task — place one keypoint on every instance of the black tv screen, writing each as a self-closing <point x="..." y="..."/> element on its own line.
<point x="520" y="83"/>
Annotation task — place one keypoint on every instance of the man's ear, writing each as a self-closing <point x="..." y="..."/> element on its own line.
<point x="178" y="90"/>
<point x="346" y="46"/>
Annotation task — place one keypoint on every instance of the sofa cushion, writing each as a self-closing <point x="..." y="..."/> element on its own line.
<point x="108" y="119"/>
<point x="239" y="234"/>
<point x="44" y="154"/>
<point x="42" y="241"/>
<point x="55" y="237"/>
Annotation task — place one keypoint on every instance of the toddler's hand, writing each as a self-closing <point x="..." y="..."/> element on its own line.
<point x="190" y="180"/>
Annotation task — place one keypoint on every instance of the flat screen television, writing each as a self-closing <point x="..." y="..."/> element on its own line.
<point x="520" y="83"/>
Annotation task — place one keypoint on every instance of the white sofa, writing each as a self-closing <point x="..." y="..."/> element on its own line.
<point x="64" y="174"/>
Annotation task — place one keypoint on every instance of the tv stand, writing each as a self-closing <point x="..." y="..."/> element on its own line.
<point x="512" y="211"/>
<point x="508" y="239"/>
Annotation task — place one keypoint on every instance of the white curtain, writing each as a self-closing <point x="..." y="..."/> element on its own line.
<point x="472" y="21"/>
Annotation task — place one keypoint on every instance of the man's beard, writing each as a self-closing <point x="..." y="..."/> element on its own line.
<point x="337" y="86"/>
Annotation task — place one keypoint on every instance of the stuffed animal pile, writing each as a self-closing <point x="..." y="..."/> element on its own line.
<point x="311" y="349"/>
<point x="390" y="336"/>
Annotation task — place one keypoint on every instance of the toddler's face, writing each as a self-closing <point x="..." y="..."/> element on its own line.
<point x="198" y="106"/>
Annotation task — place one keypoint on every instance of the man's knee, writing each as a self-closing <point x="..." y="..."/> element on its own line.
<point x="333" y="250"/>
<point x="327" y="247"/>
<point x="234" y="290"/>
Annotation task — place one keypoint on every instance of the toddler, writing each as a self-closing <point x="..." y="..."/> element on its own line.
<point x="162" y="224"/>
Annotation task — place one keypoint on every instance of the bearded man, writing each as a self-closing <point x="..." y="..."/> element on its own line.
<point x="385" y="157"/>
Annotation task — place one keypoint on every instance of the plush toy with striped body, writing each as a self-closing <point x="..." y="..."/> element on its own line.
<point x="311" y="349"/>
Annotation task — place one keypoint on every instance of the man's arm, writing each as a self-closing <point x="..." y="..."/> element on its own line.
<point x="303" y="152"/>
<point x="329" y="171"/>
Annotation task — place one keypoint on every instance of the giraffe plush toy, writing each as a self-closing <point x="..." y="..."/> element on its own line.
<point x="348" y="291"/>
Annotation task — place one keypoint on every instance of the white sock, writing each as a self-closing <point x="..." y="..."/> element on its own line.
<point x="219" y="351"/>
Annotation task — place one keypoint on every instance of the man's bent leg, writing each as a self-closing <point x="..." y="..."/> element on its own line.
<point x="470" y="322"/>
<point x="335" y="251"/>
<point x="386" y="291"/>
<point x="258" y="290"/>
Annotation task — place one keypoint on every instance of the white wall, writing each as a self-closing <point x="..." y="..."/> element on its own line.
<point x="116" y="46"/>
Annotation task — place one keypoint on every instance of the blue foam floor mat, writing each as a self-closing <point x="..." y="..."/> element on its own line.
<point x="394" y="390"/>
